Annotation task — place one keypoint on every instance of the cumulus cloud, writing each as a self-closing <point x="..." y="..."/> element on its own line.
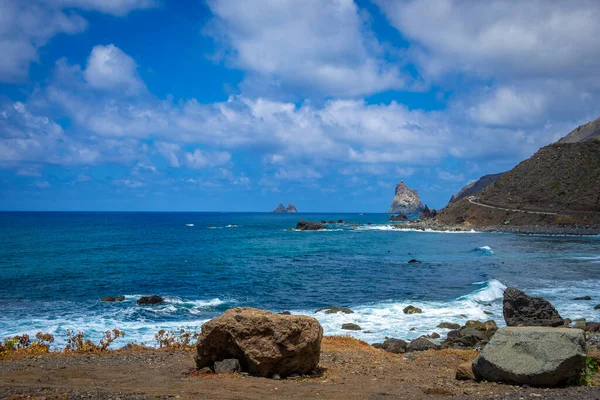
<point x="320" y="46"/>
<point x="27" y="25"/>
<point x="535" y="38"/>
<point x="196" y="159"/>
<point x="109" y="68"/>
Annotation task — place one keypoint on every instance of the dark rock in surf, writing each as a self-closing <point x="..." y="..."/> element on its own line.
<point x="521" y="309"/>
<point x="150" y="300"/>
<point x="309" y="226"/>
<point x="412" y="310"/>
<point x="398" y="218"/>
<point x="333" y="310"/>
<point x="583" y="298"/>
<point x="112" y="299"/>
<point x="415" y="261"/>
<point x="448" y="325"/>
<point x="351" y="327"/>
<point x="597" y="307"/>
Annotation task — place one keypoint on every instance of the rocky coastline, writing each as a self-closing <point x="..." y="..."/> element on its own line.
<point x="273" y="355"/>
<point x="433" y="225"/>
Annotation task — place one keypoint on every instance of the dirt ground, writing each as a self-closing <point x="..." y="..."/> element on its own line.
<point x="350" y="369"/>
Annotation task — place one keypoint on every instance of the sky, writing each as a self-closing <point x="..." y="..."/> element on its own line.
<point x="229" y="105"/>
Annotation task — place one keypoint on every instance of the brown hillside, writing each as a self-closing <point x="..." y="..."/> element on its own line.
<point x="562" y="178"/>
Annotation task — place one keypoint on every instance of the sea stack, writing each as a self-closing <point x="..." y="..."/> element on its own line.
<point x="406" y="201"/>
<point x="281" y="209"/>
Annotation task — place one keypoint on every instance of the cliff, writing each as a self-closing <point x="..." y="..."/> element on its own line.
<point x="475" y="187"/>
<point x="406" y="201"/>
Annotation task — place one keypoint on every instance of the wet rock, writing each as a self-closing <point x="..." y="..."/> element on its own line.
<point x="333" y="310"/>
<point x="340" y="221"/>
<point x="521" y="309"/>
<point x="150" y="300"/>
<point x="477" y="325"/>
<point x="228" y="366"/>
<point x="597" y="307"/>
<point x="469" y="337"/>
<point x="396" y="346"/>
<point x="112" y="299"/>
<point x="435" y="335"/>
<point x="351" y="327"/>
<point x="583" y="298"/>
<point x="285" y="313"/>
<point x="331" y="222"/>
<point x="422" y="344"/>
<point x="464" y="372"/>
<point x="579" y="323"/>
<point x="414" y="261"/>
<point x="265" y="343"/>
<point x="448" y="325"/>
<point x="309" y="226"/>
<point x="536" y="356"/>
<point x="490" y="325"/>
<point x="592" y="326"/>
<point x="412" y="310"/>
<point x="453" y="335"/>
<point x="398" y="218"/>
<point x="412" y="329"/>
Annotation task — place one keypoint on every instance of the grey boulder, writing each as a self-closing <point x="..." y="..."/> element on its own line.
<point x="537" y="356"/>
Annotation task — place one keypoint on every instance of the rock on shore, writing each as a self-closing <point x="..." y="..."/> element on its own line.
<point x="533" y="356"/>
<point x="263" y="342"/>
<point x="521" y="309"/>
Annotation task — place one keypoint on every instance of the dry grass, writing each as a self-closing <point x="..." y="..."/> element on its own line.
<point x="345" y="343"/>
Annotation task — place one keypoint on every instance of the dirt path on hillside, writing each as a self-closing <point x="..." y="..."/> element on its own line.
<point x="350" y="370"/>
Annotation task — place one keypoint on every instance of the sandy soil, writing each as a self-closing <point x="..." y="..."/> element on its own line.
<point x="349" y="370"/>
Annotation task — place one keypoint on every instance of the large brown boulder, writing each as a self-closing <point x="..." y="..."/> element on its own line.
<point x="265" y="343"/>
<point x="521" y="309"/>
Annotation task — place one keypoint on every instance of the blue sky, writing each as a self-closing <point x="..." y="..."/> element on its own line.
<point x="240" y="105"/>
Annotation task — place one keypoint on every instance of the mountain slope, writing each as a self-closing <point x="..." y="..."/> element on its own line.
<point x="475" y="187"/>
<point x="560" y="184"/>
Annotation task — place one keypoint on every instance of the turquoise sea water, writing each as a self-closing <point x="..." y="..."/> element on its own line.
<point x="55" y="267"/>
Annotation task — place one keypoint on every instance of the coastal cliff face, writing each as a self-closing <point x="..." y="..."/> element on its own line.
<point x="406" y="201"/>
<point x="281" y="209"/>
<point x="475" y="187"/>
<point x="558" y="186"/>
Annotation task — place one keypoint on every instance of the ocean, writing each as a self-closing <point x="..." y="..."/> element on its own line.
<point x="56" y="267"/>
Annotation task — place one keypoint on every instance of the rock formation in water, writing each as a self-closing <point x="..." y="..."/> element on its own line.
<point x="406" y="201"/>
<point x="281" y="209"/>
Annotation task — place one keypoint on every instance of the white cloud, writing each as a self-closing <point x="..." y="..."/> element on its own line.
<point x="306" y="46"/>
<point x="197" y="159"/>
<point x="41" y="184"/>
<point x="536" y="38"/>
<point x="109" y="68"/>
<point x="448" y="176"/>
<point x="27" y="25"/>
<point x="115" y="7"/>
<point x="129" y="183"/>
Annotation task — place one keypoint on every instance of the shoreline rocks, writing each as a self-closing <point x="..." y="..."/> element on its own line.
<point x="265" y="343"/>
<point x="334" y="310"/>
<point x="521" y="309"/>
<point x="351" y="327"/>
<point x="537" y="356"/>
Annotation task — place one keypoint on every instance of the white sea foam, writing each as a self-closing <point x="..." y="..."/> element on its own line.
<point x="189" y="224"/>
